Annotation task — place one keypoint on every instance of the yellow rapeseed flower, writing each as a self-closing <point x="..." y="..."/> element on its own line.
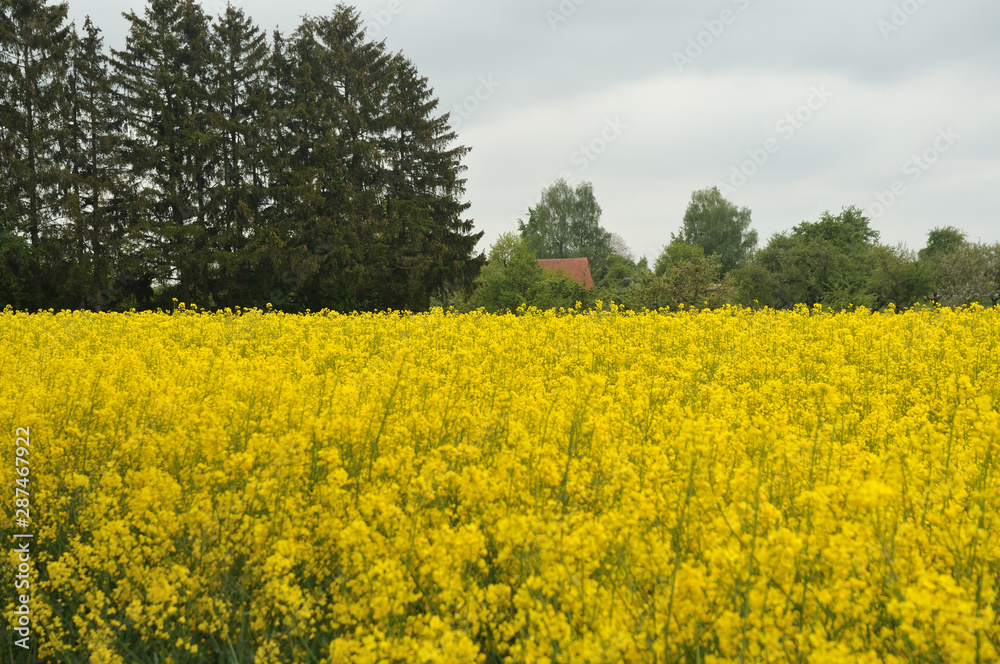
<point x="576" y="486"/>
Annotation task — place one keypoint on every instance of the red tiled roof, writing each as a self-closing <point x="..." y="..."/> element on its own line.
<point x="577" y="268"/>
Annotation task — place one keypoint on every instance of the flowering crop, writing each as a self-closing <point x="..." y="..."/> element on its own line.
<point x="593" y="486"/>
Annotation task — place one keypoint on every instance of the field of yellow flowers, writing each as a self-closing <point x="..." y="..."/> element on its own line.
<point x="586" y="486"/>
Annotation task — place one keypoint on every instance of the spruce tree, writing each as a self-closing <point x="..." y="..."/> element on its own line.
<point x="325" y="254"/>
<point x="317" y="173"/>
<point x="33" y="73"/>
<point x="242" y="119"/>
<point x="269" y="252"/>
<point x="432" y="246"/>
<point x="375" y="184"/>
<point x="15" y="254"/>
<point x="162" y="79"/>
<point x="94" y="234"/>
<point x="8" y="136"/>
<point x="33" y="43"/>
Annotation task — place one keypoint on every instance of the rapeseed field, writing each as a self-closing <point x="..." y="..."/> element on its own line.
<point x="583" y="486"/>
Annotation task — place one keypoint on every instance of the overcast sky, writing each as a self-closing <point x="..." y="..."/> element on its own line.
<point x="791" y="107"/>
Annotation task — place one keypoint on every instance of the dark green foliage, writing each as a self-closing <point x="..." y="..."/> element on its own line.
<point x="791" y="270"/>
<point x="17" y="266"/>
<point x="618" y="272"/>
<point x="942" y="241"/>
<point x="849" y="233"/>
<point x="684" y="275"/>
<point x="719" y="227"/>
<point x="677" y="253"/>
<point x="320" y="202"/>
<point x="560" y="291"/>
<point x="34" y="40"/>
<point x="375" y="211"/>
<point x="627" y="283"/>
<point x="824" y="262"/>
<point x="897" y="277"/>
<point x="163" y="82"/>
<point x="213" y="168"/>
<point x="242" y="119"/>
<point x="33" y="46"/>
<point x="94" y="237"/>
<point x="513" y="278"/>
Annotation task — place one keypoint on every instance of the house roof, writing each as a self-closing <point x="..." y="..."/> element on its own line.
<point x="577" y="268"/>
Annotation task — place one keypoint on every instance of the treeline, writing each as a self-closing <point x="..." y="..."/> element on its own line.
<point x="836" y="261"/>
<point x="207" y="163"/>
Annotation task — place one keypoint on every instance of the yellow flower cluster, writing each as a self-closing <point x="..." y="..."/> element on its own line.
<point x="584" y="486"/>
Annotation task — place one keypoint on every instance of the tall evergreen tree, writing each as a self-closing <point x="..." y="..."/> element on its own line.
<point x="33" y="43"/>
<point x="376" y="189"/>
<point x="269" y="252"/>
<point x="32" y="71"/>
<point x="314" y="174"/>
<point x="432" y="245"/>
<point x="162" y="78"/>
<point x="15" y="254"/>
<point x="313" y="192"/>
<point x="8" y="137"/>
<point x="243" y="121"/>
<point x="93" y="237"/>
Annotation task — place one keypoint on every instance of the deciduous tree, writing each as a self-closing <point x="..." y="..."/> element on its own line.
<point x="942" y="240"/>
<point x="688" y="277"/>
<point x="970" y="273"/>
<point x="897" y="276"/>
<point x="823" y="262"/>
<point x="510" y="278"/>
<point x="719" y="227"/>
<point x="566" y="224"/>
